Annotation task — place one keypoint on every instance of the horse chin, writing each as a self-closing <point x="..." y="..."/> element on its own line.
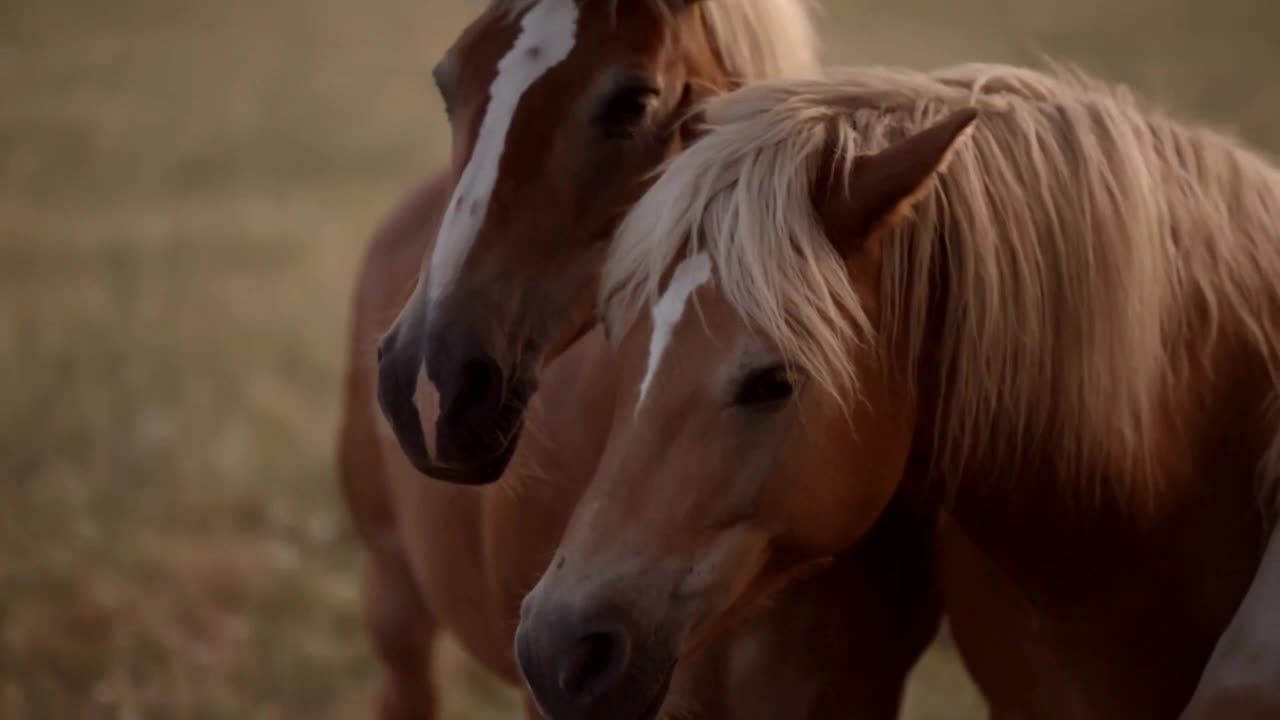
<point x="486" y="465"/>
<point x="648" y="701"/>
<point x="484" y="472"/>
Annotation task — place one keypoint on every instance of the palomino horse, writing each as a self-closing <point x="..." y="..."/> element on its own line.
<point x="442" y="557"/>
<point x="560" y="110"/>
<point x="1050" y="309"/>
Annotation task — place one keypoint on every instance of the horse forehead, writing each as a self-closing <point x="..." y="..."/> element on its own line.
<point x="692" y="272"/>
<point x="547" y="33"/>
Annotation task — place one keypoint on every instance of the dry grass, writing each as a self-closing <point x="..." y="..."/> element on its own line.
<point x="185" y="188"/>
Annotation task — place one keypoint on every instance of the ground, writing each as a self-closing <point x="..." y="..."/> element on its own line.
<point x="185" y="190"/>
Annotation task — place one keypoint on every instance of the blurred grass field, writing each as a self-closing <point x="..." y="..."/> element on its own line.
<point x="185" y="192"/>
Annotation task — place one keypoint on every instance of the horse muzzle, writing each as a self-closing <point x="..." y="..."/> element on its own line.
<point x="581" y="668"/>
<point x="477" y="429"/>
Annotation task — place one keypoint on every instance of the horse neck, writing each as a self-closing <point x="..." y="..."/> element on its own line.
<point x="569" y="417"/>
<point x="1225" y="377"/>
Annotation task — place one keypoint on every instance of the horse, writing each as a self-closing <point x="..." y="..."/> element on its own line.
<point x="560" y="110"/>
<point x="1038" y="300"/>
<point x="460" y="559"/>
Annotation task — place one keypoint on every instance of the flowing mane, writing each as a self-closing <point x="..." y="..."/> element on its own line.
<point x="1091" y="249"/>
<point x="756" y="39"/>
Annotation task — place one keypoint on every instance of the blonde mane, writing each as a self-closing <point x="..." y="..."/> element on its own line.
<point x="756" y="39"/>
<point x="1091" y="249"/>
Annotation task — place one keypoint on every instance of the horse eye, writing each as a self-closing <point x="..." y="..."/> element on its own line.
<point x="628" y="107"/>
<point x="766" y="386"/>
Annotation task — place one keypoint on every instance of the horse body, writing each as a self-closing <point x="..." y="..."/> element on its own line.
<point x="1110" y="610"/>
<point x="1046" y="307"/>
<point x="1089" y="616"/>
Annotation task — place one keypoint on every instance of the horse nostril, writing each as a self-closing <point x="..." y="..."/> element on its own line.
<point x="594" y="665"/>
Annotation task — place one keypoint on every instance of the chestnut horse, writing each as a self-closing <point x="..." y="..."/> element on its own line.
<point x="1046" y="306"/>
<point x="560" y="111"/>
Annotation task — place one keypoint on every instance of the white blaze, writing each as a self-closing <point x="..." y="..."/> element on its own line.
<point x="691" y="273"/>
<point x="547" y="35"/>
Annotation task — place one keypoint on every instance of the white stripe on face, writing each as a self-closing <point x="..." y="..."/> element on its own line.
<point x="547" y="35"/>
<point x="691" y="273"/>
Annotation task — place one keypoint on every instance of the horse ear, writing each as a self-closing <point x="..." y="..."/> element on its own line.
<point x="856" y="200"/>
